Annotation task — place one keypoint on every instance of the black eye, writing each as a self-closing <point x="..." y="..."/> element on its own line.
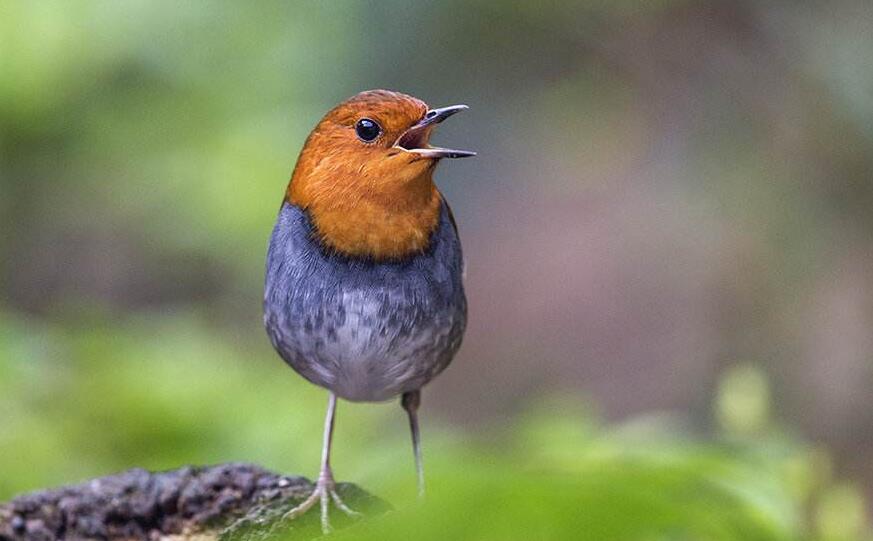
<point x="367" y="129"/>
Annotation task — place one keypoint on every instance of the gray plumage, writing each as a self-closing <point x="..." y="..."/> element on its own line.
<point x="368" y="331"/>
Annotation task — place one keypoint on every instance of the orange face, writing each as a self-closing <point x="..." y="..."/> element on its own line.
<point x="365" y="175"/>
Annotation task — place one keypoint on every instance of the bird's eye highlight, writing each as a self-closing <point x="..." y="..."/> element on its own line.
<point x="367" y="129"/>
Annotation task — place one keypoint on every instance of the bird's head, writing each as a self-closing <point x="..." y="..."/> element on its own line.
<point x="364" y="175"/>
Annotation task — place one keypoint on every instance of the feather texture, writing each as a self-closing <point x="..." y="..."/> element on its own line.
<point x="365" y="329"/>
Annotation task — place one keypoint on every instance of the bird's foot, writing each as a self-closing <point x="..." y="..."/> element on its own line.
<point x="324" y="492"/>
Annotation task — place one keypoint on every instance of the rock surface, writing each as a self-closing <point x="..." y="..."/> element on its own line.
<point x="227" y="501"/>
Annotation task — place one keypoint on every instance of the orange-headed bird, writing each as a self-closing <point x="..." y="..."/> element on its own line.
<point x="364" y="292"/>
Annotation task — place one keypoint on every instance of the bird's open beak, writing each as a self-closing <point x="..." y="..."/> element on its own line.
<point x="415" y="139"/>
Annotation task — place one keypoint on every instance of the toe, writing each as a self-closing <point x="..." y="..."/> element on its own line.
<point x="342" y="505"/>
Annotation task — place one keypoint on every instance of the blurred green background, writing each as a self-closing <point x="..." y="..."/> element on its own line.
<point x="668" y="234"/>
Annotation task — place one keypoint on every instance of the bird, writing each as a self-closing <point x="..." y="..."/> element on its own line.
<point x="364" y="292"/>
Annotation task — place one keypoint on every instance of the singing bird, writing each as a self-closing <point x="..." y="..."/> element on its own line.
<point x="364" y="292"/>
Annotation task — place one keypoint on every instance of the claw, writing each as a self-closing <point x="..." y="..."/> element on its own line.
<point x="324" y="491"/>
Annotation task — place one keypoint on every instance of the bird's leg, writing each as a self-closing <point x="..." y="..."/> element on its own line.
<point x="325" y="487"/>
<point x="410" y="402"/>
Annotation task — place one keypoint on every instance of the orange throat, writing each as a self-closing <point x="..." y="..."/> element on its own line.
<point x="388" y="222"/>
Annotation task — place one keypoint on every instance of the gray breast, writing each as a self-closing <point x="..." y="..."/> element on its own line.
<point x="367" y="331"/>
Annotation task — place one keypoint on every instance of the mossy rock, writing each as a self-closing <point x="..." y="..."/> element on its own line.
<point x="230" y="502"/>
